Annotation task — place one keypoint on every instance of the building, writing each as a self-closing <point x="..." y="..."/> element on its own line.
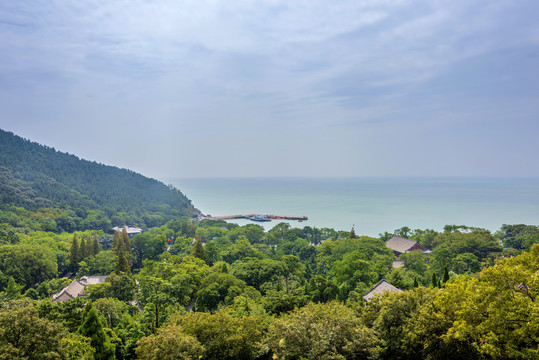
<point x="381" y="287"/>
<point x="131" y="230"/>
<point x="401" y="245"/>
<point x="76" y="288"/>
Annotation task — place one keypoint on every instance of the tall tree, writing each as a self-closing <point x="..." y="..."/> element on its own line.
<point x="95" y="244"/>
<point x="353" y="234"/>
<point x="74" y="257"/>
<point x="92" y="328"/>
<point x="198" y="249"/>
<point x="446" y="275"/>
<point x="122" y="265"/>
<point x="82" y="249"/>
<point x="117" y="241"/>
<point x="89" y="251"/>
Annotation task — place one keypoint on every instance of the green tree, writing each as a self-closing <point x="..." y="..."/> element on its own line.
<point x="74" y="256"/>
<point x="95" y="244"/>
<point x="225" y="336"/>
<point x="198" y="249"/>
<point x="13" y="290"/>
<point x="83" y="251"/>
<point x="321" y="331"/>
<point x="25" y="335"/>
<point x="76" y="347"/>
<point x="28" y="264"/>
<point x="170" y="343"/>
<point x="122" y="265"/>
<point x="446" y="275"/>
<point x="92" y="328"/>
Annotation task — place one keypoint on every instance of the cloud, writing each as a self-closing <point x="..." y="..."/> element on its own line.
<point x="336" y="79"/>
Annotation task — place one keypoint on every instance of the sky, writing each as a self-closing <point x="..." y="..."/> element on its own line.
<point x="261" y="88"/>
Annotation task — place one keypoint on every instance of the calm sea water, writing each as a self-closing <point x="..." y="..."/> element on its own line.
<point x="372" y="205"/>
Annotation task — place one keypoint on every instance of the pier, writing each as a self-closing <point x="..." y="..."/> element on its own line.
<point x="256" y="217"/>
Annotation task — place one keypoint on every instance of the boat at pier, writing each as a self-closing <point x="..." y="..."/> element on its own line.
<point x="260" y="218"/>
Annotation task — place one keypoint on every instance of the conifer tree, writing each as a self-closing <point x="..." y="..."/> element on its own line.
<point x="13" y="290"/>
<point x="74" y="253"/>
<point x="446" y="275"/>
<point x="95" y="248"/>
<point x="198" y="249"/>
<point x="116" y="242"/>
<point x="122" y="265"/>
<point x="353" y="234"/>
<point x="89" y="246"/>
<point x="92" y="328"/>
<point x="434" y="281"/>
<point x="82" y="249"/>
<point x="126" y="241"/>
<point x="415" y="282"/>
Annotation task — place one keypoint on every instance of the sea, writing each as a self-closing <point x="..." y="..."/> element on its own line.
<point x="370" y="205"/>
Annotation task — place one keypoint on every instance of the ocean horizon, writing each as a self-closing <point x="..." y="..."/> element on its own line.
<point x="372" y="205"/>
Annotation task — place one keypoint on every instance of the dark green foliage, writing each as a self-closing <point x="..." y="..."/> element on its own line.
<point x="25" y="335"/>
<point x="446" y="275"/>
<point x="7" y="235"/>
<point x="34" y="176"/>
<point x="122" y="265"/>
<point x="74" y="253"/>
<point x="29" y="265"/>
<point x="92" y="328"/>
<point x="519" y="236"/>
<point x="434" y="281"/>
<point x="198" y="249"/>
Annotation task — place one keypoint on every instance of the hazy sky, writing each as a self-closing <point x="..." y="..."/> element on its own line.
<point x="277" y="88"/>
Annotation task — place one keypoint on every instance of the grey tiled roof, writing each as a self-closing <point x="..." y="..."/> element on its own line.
<point x="76" y="288"/>
<point x="381" y="287"/>
<point x="72" y="290"/>
<point x="400" y="244"/>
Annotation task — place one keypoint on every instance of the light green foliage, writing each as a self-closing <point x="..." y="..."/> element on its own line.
<point x="76" y="347"/>
<point x="240" y="250"/>
<point x="321" y="331"/>
<point x="111" y="309"/>
<point x="354" y="272"/>
<point x="390" y="315"/>
<point x="182" y="246"/>
<point x="333" y="250"/>
<point x="251" y="232"/>
<point x="25" y="335"/>
<point x="28" y="264"/>
<point x="170" y="343"/>
<point x="101" y="264"/>
<point x="221" y="289"/>
<point x="224" y="336"/>
<point x="493" y="316"/>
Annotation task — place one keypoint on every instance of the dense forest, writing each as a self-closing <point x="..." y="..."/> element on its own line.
<point x="44" y="189"/>
<point x="189" y="289"/>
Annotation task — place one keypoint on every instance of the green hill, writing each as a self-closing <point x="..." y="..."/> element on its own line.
<point x="44" y="189"/>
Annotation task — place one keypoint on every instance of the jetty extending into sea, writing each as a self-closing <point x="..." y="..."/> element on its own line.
<point x="256" y="217"/>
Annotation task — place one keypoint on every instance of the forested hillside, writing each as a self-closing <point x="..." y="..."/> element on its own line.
<point x="44" y="189"/>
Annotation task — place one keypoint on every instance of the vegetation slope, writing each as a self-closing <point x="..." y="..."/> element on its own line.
<point x="44" y="189"/>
